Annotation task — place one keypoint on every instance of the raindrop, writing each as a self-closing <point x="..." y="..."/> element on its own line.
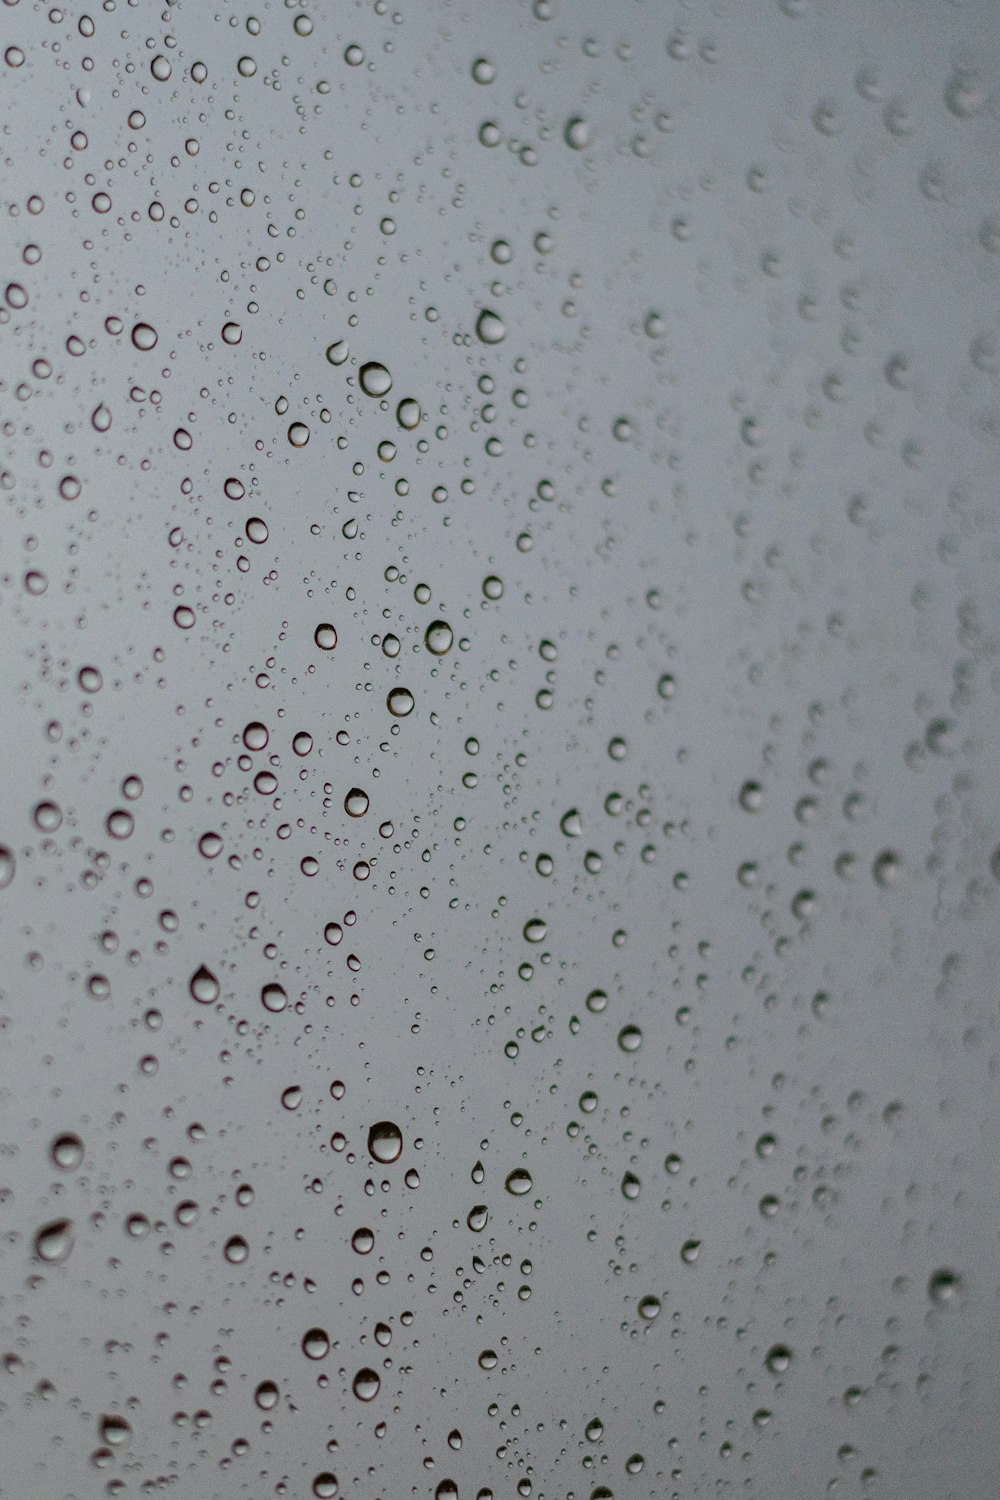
<point x="438" y="638"/>
<point x="325" y="637"/>
<point x="144" y="336"/>
<point x="204" y="986"/>
<point x="490" y="327"/>
<point x="54" y="1241"/>
<point x="630" y="1039"/>
<point x="114" y="1430"/>
<point x="316" y="1343"/>
<point x="375" y="379"/>
<point x="366" y="1385"/>
<point x="577" y="133"/>
<point x="274" y="998"/>
<point x="8" y="865"/>
<point x="944" y="1287"/>
<point x="356" y="803"/>
<point x="518" y="1182"/>
<point x="67" y="1151"/>
<point x="400" y="702"/>
<point x="385" y="1142"/>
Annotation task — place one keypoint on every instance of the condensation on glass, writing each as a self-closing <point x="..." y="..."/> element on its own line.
<point x="500" y="851"/>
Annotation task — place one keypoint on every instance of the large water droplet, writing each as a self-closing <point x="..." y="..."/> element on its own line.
<point x="518" y="1182"/>
<point x="438" y="637"/>
<point x="400" y="702"/>
<point x="366" y="1385"/>
<point x="67" y="1151"/>
<point x="54" y="1241"/>
<point x="316" y="1343"/>
<point x="375" y="379"/>
<point x="144" y="336"/>
<point x="385" y="1142"/>
<point x="204" y="986"/>
<point x="490" y="327"/>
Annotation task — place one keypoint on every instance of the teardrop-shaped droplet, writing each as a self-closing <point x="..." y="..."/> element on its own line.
<point x="204" y="986"/>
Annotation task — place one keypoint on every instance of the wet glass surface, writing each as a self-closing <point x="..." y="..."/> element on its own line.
<point x="500" y="848"/>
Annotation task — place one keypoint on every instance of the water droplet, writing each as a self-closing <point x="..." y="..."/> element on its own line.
<point x="375" y="379"/>
<point x="204" y="986"/>
<point x="400" y="702"/>
<point x="777" y="1359"/>
<point x="54" y="1241"/>
<point x="944" y="1287"/>
<point x="478" y="1217"/>
<point x="493" y="587"/>
<point x="690" y="1251"/>
<point x="100" y="418"/>
<point x="577" y="133"/>
<point x="325" y="1484"/>
<point x="631" y="1186"/>
<point x="298" y="434"/>
<point x="144" y="336"/>
<point x="483" y="71"/>
<point x="490" y="327"/>
<point x="438" y="638"/>
<point x="535" y="930"/>
<point x="385" y="1142"/>
<point x="362" y="1241"/>
<point x="114" y="1430"/>
<point x="232" y="333"/>
<point x="67" y="1151"/>
<point x="518" y="1182"/>
<point x="570" y="824"/>
<point x="366" y="1385"/>
<point x="255" y="735"/>
<point x="408" y="413"/>
<point x="266" y="1395"/>
<point x="8" y="866"/>
<point x="887" y="869"/>
<point x="630" y="1039"/>
<point x="316" y="1343"/>
<point x="649" y="1308"/>
<point x="325" y="637"/>
<point x="274" y="998"/>
<point x="210" y="845"/>
<point x="356" y="803"/>
<point x="339" y="352"/>
<point x="236" y="1250"/>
